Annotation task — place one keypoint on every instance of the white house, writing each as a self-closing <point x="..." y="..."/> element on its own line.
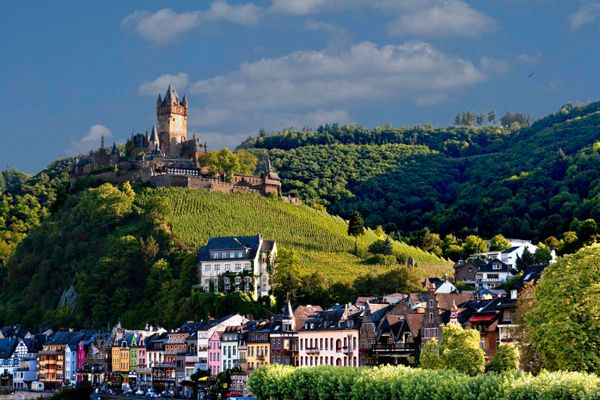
<point x="230" y="348"/>
<point x="232" y="263"/>
<point x="516" y="250"/>
<point x="207" y="329"/>
<point x="329" y="338"/>
<point x="492" y="274"/>
<point x="26" y="373"/>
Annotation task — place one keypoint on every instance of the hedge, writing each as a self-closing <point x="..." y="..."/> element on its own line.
<point x="277" y="382"/>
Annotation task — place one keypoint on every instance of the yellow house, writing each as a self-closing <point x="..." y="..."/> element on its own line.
<point x="258" y="346"/>
<point x="120" y="354"/>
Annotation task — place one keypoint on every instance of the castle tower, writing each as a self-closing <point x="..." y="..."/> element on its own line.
<point x="171" y="121"/>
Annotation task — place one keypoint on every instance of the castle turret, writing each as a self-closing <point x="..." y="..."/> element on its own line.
<point x="154" y="141"/>
<point x="171" y="122"/>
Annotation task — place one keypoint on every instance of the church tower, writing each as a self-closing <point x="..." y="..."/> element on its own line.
<point x="171" y="122"/>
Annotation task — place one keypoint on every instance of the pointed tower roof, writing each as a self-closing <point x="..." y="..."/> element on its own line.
<point x="114" y="149"/>
<point x="184" y="101"/>
<point x="159" y="100"/>
<point x="171" y="95"/>
<point x="154" y="135"/>
<point x="287" y="309"/>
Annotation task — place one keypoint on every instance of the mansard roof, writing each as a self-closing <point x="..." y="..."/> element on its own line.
<point x="231" y="243"/>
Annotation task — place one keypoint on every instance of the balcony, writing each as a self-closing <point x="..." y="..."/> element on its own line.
<point x="260" y="356"/>
<point x="394" y="348"/>
<point x="313" y="350"/>
<point x="347" y="350"/>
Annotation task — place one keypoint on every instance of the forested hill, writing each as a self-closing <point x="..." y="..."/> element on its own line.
<point x="111" y="253"/>
<point x="533" y="182"/>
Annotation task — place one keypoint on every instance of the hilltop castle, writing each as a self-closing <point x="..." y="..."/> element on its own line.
<point x="166" y="157"/>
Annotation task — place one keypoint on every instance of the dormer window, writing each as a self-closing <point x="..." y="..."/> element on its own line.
<point x="495" y="266"/>
<point x="240" y="254"/>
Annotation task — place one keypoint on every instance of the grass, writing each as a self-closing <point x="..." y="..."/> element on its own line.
<point x="320" y="239"/>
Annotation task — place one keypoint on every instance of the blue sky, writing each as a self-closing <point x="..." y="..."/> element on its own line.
<point x="72" y="71"/>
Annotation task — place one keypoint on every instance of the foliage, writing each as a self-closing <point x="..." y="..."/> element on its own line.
<point x="430" y="355"/>
<point x="499" y="243"/>
<point x="403" y="383"/>
<point x="460" y="350"/>
<point x="226" y="163"/>
<point x="563" y="323"/>
<point x="534" y="182"/>
<point x="505" y="359"/>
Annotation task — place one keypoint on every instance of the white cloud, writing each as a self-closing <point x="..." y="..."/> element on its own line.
<point x="298" y="7"/>
<point x="91" y="140"/>
<point x="165" y="24"/>
<point x="317" y="79"/>
<point x="244" y="14"/>
<point x="160" y="84"/>
<point x="493" y="66"/>
<point x="338" y="36"/>
<point x="530" y="59"/>
<point x="310" y="88"/>
<point x="162" y="26"/>
<point x="586" y="14"/>
<point x="447" y="18"/>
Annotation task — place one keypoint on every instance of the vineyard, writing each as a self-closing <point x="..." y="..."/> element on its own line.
<point x="320" y="239"/>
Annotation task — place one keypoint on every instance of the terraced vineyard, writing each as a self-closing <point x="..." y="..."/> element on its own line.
<point x="320" y="238"/>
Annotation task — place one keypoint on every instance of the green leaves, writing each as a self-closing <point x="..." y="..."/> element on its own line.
<point x="403" y="383"/>
<point x="564" y="324"/>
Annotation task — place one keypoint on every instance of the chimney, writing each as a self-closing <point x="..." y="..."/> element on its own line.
<point x="513" y="294"/>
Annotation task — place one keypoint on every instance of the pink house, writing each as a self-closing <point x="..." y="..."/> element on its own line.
<point x="81" y="355"/>
<point x="214" y="353"/>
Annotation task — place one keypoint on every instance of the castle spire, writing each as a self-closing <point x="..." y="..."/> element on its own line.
<point x="114" y="151"/>
<point x="184" y="101"/>
<point x="171" y="95"/>
<point x="159" y="100"/>
<point x="154" y="135"/>
<point x="102" y="141"/>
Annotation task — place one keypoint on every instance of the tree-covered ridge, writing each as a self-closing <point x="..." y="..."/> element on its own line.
<point x="26" y="199"/>
<point x="455" y="141"/>
<point x="132" y="256"/>
<point x="536" y="182"/>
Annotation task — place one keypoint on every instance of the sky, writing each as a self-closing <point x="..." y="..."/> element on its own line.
<point x="73" y="71"/>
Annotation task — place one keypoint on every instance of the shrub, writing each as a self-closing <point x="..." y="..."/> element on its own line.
<point x="403" y="383"/>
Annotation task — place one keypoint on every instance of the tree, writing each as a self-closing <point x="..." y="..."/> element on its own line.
<point x="524" y="260"/>
<point x="499" y="243"/>
<point x="286" y="279"/>
<point x="356" y="228"/>
<point x="587" y="231"/>
<point x="460" y="349"/>
<point x="542" y="255"/>
<point x="491" y="116"/>
<point x="388" y="247"/>
<point x="552" y="242"/>
<point x="563" y="323"/>
<point x="474" y="244"/>
<point x="506" y="359"/>
<point x="430" y="355"/>
<point x="247" y="162"/>
<point x="529" y="359"/>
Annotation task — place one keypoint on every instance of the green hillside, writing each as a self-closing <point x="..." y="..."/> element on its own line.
<point x="320" y="239"/>
<point x="109" y="253"/>
<point x="534" y="182"/>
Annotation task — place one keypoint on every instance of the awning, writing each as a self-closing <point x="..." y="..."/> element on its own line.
<point x="482" y="318"/>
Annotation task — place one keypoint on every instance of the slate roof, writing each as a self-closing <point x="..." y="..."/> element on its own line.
<point x="70" y="339"/>
<point x="230" y="243"/>
<point x="511" y="249"/>
<point x="488" y="267"/>
<point x="7" y="347"/>
<point x="533" y="273"/>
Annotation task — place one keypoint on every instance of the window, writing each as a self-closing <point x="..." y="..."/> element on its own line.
<point x="495" y="266"/>
<point x="207" y="268"/>
<point x="238" y="267"/>
<point x="215" y="255"/>
<point x="232" y="255"/>
<point x="217" y="267"/>
<point x="238" y="280"/>
<point x="430" y="317"/>
<point x="223" y="255"/>
<point x="240" y="254"/>
<point x="227" y="267"/>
